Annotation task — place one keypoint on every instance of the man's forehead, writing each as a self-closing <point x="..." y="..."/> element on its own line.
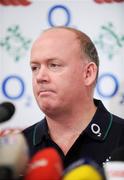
<point x="60" y="33"/>
<point x="58" y="41"/>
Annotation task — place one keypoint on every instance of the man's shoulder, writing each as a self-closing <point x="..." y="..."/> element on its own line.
<point x="118" y="128"/>
<point x="30" y="128"/>
<point x="107" y="114"/>
<point x="118" y="120"/>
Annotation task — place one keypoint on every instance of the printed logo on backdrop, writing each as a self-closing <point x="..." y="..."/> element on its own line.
<point x="108" y="1"/>
<point x="110" y="43"/>
<point x="59" y="15"/>
<point x="114" y="85"/>
<point x="14" y="43"/>
<point x="15" y="2"/>
<point x="14" y="88"/>
<point x="28" y="2"/>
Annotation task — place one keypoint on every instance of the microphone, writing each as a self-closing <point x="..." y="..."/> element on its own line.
<point x="84" y="169"/>
<point x="46" y="164"/>
<point x="7" y="109"/>
<point x="14" y="156"/>
<point x="114" y="169"/>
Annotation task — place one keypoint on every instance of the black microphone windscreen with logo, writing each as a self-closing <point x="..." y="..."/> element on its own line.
<point x="7" y="109"/>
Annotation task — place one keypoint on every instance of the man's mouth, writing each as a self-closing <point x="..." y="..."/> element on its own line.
<point x="45" y="92"/>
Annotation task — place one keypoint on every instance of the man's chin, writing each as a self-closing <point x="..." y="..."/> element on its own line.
<point x="52" y="111"/>
<point x="48" y="109"/>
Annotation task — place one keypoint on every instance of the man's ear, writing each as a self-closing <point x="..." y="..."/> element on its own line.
<point x="90" y="73"/>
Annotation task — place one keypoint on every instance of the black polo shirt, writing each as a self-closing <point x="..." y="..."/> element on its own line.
<point x="104" y="134"/>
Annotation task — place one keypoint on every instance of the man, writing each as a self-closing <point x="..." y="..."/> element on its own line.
<point x="65" y="65"/>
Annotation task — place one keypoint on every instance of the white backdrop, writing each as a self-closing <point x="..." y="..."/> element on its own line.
<point x="20" y="24"/>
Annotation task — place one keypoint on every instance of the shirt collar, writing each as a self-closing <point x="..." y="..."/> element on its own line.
<point x="101" y="123"/>
<point x="98" y="128"/>
<point x="40" y="131"/>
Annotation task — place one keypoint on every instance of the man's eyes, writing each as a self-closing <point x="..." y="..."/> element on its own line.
<point x="34" y="68"/>
<point x="51" y="66"/>
<point x="54" y="66"/>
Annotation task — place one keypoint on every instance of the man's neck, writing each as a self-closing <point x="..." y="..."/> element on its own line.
<point x="64" y="130"/>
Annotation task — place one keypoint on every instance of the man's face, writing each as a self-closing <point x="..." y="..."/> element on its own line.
<point x="57" y="70"/>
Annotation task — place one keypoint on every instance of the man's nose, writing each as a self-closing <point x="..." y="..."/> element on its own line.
<point x="42" y="75"/>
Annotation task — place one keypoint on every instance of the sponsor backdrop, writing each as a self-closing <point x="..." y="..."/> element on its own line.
<point x="21" y="21"/>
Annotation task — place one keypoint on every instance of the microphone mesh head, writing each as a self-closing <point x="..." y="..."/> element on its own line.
<point x="9" y="106"/>
<point x="7" y="109"/>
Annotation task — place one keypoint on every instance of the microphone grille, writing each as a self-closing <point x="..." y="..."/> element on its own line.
<point x="7" y="109"/>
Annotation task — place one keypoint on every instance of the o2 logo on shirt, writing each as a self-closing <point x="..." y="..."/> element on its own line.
<point x="96" y="129"/>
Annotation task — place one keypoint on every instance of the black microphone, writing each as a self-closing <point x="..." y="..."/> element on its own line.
<point x="7" y="109"/>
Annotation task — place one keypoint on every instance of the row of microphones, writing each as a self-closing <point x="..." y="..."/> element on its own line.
<point x="7" y="110"/>
<point x="46" y="164"/>
<point x="15" y="162"/>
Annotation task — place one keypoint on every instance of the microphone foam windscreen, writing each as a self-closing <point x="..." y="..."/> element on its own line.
<point x="7" y="109"/>
<point x="14" y="154"/>
<point x="84" y="172"/>
<point x="45" y="165"/>
<point x="84" y="169"/>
